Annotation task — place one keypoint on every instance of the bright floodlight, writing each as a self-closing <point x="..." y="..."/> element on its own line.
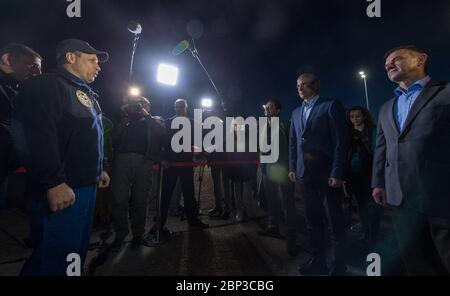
<point x="207" y="103"/>
<point x="167" y="74"/>
<point x="134" y="91"/>
<point x="361" y="72"/>
<point x="363" y="76"/>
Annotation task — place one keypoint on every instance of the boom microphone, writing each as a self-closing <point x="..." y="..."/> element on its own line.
<point x="180" y="47"/>
<point x="134" y="27"/>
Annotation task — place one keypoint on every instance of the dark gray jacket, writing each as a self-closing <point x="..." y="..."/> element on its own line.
<point x="413" y="165"/>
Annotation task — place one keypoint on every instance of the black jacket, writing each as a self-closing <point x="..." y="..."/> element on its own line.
<point x="8" y="91"/>
<point x="57" y="131"/>
<point x="155" y="136"/>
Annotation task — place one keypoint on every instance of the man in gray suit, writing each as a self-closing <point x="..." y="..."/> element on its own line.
<point x="412" y="162"/>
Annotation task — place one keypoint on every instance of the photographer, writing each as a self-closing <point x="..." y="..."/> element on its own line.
<point x="138" y="143"/>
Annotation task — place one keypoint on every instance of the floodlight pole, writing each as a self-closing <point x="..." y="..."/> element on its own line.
<point x="367" y="95"/>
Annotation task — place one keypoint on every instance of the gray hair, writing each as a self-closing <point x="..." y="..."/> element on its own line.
<point x="181" y="100"/>
<point x="315" y="81"/>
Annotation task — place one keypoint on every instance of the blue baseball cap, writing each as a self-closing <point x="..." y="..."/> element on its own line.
<point x="72" y="45"/>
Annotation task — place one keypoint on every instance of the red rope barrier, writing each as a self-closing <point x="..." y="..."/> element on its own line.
<point x="155" y="167"/>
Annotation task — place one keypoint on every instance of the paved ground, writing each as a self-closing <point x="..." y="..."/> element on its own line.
<point x="226" y="248"/>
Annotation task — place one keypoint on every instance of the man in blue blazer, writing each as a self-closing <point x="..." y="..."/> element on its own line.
<point x="318" y="144"/>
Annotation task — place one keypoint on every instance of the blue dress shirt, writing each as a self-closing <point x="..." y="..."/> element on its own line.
<point x="307" y="107"/>
<point x="405" y="99"/>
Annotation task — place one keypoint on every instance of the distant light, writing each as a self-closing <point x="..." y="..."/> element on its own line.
<point x="361" y="72"/>
<point x="363" y="76"/>
<point x="134" y="91"/>
<point x="207" y="103"/>
<point x="167" y="74"/>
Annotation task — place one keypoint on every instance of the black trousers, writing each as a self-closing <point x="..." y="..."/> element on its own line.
<point x="170" y="177"/>
<point x="216" y="175"/>
<point x="280" y="196"/>
<point x="423" y="241"/>
<point x="131" y="184"/>
<point x="5" y="152"/>
<point x="323" y="208"/>
<point x="370" y="213"/>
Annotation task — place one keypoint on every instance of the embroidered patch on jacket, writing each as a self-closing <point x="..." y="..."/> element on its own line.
<point x="84" y="98"/>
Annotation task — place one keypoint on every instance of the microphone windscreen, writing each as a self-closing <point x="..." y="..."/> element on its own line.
<point x="180" y="47"/>
<point x="134" y="27"/>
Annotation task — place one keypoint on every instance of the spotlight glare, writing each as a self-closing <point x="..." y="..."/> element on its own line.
<point x="134" y="91"/>
<point x="167" y="74"/>
<point x="361" y="72"/>
<point x="207" y="103"/>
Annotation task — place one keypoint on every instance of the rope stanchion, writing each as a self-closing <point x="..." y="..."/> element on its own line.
<point x="153" y="240"/>
<point x="200" y="180"/>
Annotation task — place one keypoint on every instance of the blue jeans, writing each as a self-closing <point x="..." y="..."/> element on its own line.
<point x="56" y="235"/>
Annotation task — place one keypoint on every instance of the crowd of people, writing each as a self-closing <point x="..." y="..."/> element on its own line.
<point x="52" y="128"/>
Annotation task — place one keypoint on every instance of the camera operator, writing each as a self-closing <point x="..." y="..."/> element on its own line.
<point x="138" y="144"/>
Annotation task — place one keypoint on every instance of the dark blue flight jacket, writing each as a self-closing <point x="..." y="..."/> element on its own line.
<point x="57" y="130"/>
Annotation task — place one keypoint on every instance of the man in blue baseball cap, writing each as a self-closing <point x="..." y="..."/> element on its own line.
<point x="57" y="130"/>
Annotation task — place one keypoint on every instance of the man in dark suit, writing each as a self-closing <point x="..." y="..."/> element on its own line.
<point x="412" y="162"/>
<point x="179" y="168"/>
<point x="318" y="145"/>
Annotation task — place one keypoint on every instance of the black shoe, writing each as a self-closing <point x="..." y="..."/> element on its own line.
<point x="241" y="215"/>
<point x="150" y="239"/>
<point x="271" y="232"/>
<point x="292" y="250"/>
<point x="291" y="244"/>
<point x="215" y="212"/>
<point x="198" y="224"/>
<point x="136" y="241"/>
<point x="153" y="230"/>
<point x="117" y="244"/>
<point x="313" y="267"/>
<point x="225" y="215"/>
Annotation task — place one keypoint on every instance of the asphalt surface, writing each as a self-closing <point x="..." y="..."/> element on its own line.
<point x="227" y="248"/>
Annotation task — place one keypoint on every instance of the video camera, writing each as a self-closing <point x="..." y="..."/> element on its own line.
<point x="135" y="106"/>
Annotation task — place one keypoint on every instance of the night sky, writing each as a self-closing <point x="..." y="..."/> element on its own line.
<point x="254" y="50"/>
